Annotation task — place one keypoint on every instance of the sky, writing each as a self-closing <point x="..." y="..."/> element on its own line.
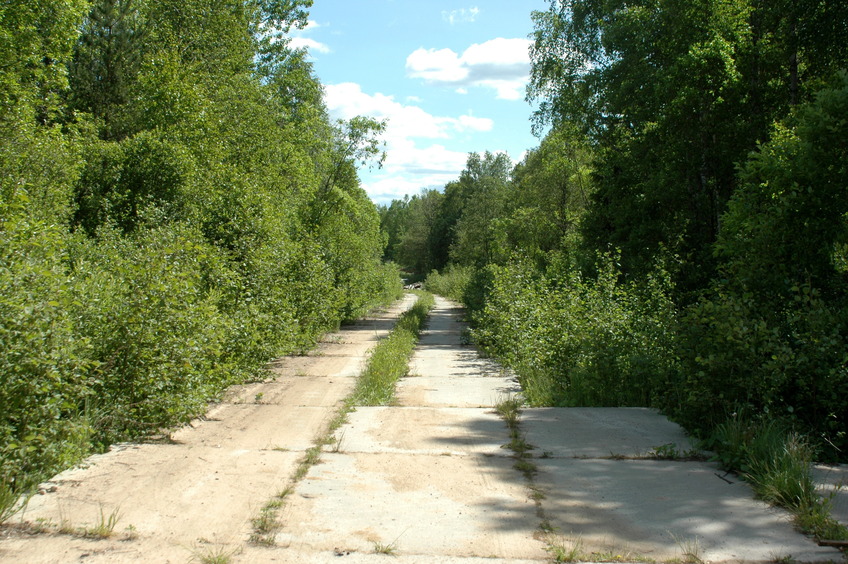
<point x="448" y="75"/>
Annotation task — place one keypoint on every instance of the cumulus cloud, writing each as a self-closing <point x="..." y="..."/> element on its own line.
<point x="414" y="157"/>
<point x="502" y="65"/>
<point x="463" y="15"/>
<point x="309" y="44"/>
<point x="298" y="39"/>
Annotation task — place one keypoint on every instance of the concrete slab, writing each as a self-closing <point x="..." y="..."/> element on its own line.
<point x="294" y="391"/>
<point x="256" y="426"/>
<point x="290" y="556"/>
<point x="661" y="509"/>
<point x="452" y="360"/>
<point x="455" y="392"/>
<point x="157" y="488"/>
<point x="832" y="482"/>
<point x="423" y="430"/>
<point x="456" y="506"/>
<point x="594" y="432"/>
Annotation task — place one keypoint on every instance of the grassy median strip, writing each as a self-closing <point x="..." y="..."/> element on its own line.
<point x="389" y="360"/>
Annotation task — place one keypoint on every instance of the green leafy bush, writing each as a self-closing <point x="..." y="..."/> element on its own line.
<point x="43" y="360"/>
<point x="155" y="332"/>
<point x="452" y="282"/>
<point x="577" y="341"/>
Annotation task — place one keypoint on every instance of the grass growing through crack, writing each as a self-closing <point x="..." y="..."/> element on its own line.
<point x="778" y="464"/>
<point x="376" y="386"/>
<point x="389" y="360"/>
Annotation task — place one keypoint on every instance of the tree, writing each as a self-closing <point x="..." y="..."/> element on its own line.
<point x="106" y="61"/>
<point x="673" y="94"/>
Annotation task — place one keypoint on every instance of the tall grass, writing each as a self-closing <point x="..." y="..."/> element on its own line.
<point x="390" y="359"/>
<point x="777" y="462"/>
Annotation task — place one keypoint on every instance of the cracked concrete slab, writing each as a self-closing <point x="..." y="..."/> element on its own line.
<point x="458" y="506"/>
<point x="423" y="430"/>
<point x="660" y="509"/>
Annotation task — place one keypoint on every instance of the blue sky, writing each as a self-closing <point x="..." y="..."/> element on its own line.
<point x="449" y="77"/>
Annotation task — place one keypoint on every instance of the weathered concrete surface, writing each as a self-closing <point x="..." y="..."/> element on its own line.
<point x="656" y="508"/>
<point x="833" y="483"/>
<point x="424" y="430"/>
<point x="429" y="477"/>
<point x="459" y="506"/>
<point x="602" y="432"/>
<point x="198" y="493"/>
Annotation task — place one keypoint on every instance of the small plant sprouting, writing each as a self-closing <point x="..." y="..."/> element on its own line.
<point x="387" y="549"/>
<point x="216" y="555"/>
<point x="105" y="526"/>
<point x="690" y="548"/>
<point x="258" y="397"/>
<point x="564" y="550"/>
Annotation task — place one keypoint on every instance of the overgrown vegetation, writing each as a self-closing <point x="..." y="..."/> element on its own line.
<point x="153" y="247"/>
<point x="678" y="239"/>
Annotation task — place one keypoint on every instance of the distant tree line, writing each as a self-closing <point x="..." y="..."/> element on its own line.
<point x="679" y="238"/>
<point x="176" y="209"/>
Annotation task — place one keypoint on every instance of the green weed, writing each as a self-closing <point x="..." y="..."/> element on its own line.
<point x="9" y="505"/>
<point x="564" y="550"/>
<point x="215" y="555"/>
<point x="105" y="526"/>
<point x="777" y="463"/>
<point x="387" y="549"/>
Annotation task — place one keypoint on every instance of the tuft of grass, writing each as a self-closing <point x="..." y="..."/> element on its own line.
<point x="690" y="548"/>
<point x="9" y="504"/>
<point x="564" y="550"/>
<point x="778" y="464"/>
<point x="105" y="526"/>
<point x="387" y="549"/>
<point x="214" y="555"/>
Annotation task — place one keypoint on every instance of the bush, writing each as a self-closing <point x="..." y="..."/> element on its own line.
<point x="452" y="283"/>
<point x="581" y="342"/>
<point x="43" y="361"/>
<point x="156" y="335"/>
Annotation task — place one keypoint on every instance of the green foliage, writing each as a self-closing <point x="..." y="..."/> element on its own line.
<point x="155" y="333"/>
<point x="577" y="341"/>
<point x="123" y="183"/>
<point x="43" y="362"/>
<point x="453" y="283"/>
<point x="153" y="247"/>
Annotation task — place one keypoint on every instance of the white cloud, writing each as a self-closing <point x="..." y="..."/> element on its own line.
<point x="461" y="16"/>
<point x="298" y="39"/>
<point x="310" y="44"/>
<point x="413" y="159"/>
<point x="499" y="64"/>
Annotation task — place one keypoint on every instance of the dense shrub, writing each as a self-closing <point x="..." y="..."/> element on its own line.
<point x="156" y="335"/>
<point x="580" y="341"/>
<point x="453" y="282"/>
<point x="43" y="361"/>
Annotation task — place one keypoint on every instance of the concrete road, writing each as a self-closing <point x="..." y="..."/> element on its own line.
<point x="428" y="480"/>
